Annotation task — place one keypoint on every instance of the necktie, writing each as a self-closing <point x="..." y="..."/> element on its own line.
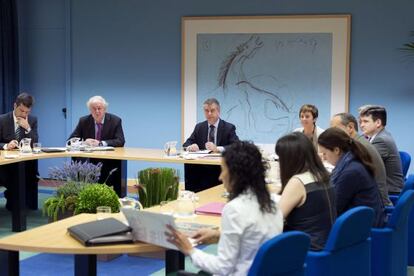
<point x="211" y="134"/>
<point x="98" y="131"/>
<point x="19" y="133"/>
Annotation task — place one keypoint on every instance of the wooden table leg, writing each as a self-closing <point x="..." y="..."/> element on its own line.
<point x="174" y="261"/>
<point x="9" y="261"/>
<point x="85" y="265"/>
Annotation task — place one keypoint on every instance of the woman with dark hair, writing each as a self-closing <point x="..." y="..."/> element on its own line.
<point x="249" y="219"/>
<point x="308" y="114"/>
<point x="353" y="175"/>
<point x="307" y="200"/>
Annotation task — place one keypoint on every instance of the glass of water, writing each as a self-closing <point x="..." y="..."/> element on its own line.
<point x="37" y="148"/>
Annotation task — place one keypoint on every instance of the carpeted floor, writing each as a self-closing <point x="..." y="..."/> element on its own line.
<point x="62" y="265"/>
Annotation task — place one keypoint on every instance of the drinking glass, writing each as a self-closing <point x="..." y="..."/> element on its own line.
<point x="103" y="212"/>
<point x="37" y="147"/>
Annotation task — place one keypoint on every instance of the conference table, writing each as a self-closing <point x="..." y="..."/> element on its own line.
<point x="54" y="238"/>
<point x="120" y="154"/>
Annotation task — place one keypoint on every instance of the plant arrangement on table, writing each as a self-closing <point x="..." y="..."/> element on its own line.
<point x="76" y="177"/>
<point x="156" y="185"/>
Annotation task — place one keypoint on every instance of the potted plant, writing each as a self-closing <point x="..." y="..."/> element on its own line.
<point x="156" y="185"/>
<point x="94" y="195"/>
<point x="75" y="176"/>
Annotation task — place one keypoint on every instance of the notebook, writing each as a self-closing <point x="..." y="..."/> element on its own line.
<point x="100" y="232"/>
<point x="53" y="149"/>
<point x="212" y="208"/>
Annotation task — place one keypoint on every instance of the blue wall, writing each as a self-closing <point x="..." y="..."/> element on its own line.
<point x="129" y="51"/>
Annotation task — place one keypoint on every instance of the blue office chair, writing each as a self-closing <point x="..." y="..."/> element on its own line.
<point x="347" y="250"/>
<point x="389" y="244"/>
<point x="405" y="161"/>
<point x="409" y="185"/>
<point x="282" y="255"/>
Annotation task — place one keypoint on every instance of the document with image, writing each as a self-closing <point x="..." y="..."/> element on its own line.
<point x="149" y="227"/>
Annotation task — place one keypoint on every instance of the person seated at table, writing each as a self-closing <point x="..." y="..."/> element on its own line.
<point x="213" y="134"/>
<point x="308" y="114"/>
<point x="14" y="126"/>
<point x="353" y="175"/>
<point x="249" y="219"/>
<point x="101" y="128"/>
<point x="308" y="200"/>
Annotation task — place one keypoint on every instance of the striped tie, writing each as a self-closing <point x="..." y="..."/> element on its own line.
<point x="19" y="133"/>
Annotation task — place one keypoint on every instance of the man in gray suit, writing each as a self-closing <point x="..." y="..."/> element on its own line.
<point x="373" y="120"/>
<point x="348" y="123"/>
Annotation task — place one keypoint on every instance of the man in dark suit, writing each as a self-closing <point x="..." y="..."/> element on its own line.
<point x="101" y="128"/>
<point x="373" y="120"/>
<point x="14" y="126"/>
<point x="213" y="134"/>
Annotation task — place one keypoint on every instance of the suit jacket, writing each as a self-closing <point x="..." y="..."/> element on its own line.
<point x="387" y="148"/>
<point x="380" y="173"/>
<point x="226" y="135"/>
<point x="112" y="132"/>
<point x="7" y="131"/>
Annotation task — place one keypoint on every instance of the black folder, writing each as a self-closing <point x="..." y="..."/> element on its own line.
<point x="100" y="232"/>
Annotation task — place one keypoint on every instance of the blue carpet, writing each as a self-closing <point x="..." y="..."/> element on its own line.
<point x="63" y="265"/>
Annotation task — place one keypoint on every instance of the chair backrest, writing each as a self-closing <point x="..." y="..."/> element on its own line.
<point x="405" y="161"/>
<point x="347" y="250"/>
<point x="408" y="184"/>
<point x="399" y="217"/>
<point x="352" y="227"/>
<point x="282" y="255"/>
<point x="389" y="244"/>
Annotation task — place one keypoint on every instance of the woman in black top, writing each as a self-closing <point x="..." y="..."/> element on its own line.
<point x="307" y="200"/>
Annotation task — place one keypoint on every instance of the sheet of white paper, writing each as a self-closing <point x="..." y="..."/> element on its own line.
<point x="149" y="227"/>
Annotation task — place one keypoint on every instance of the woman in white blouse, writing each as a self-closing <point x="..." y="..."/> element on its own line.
<point x="249" y="219"/>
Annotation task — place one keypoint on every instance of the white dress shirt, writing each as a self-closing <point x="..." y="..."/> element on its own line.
<point x="244" y="228"/>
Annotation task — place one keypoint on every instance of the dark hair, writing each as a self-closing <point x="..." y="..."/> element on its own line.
<point x="377" y="112"/>
<point x="211" y="101"/>
<point x="347" y="118"/>
<point x="24" y="99"/>
<point x="335" y="137"/>
<point x="298" y="155"/>
<point x="309" y="108"/>
<point x="247" y="171"/>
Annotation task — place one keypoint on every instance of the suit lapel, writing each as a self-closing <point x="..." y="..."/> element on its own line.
<point x="220" y="129"/>
<point x="106" y="125"/>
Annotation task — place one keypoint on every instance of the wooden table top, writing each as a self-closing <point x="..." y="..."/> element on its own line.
<point x="54" y="238"/>
<point x="121" y="153"/>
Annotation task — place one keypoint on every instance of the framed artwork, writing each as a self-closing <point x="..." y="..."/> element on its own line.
<point x="262" y="69"/>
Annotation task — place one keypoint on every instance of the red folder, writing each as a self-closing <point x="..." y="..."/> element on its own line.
<point x="212" y="208"/>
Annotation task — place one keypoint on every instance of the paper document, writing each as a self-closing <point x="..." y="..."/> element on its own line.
<point x="150" y="227"/>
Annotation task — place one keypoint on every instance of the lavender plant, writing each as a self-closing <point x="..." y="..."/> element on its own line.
<point x="77" y="171"/>
<point x="76" y="175"/>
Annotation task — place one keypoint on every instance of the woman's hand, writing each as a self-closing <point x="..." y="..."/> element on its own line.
<point x="179" y="239"/>
<point x="206" y="235"/>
